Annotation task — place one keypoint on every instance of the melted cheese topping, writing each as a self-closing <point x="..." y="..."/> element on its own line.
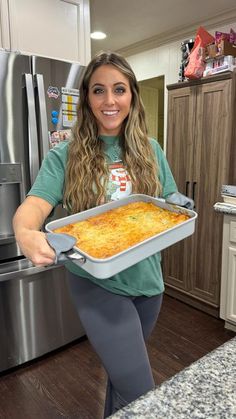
<point x="111" y="232"/>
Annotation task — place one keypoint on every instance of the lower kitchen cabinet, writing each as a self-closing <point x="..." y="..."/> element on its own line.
<point x="228" y="273"/>
<point x="201" y="141"/>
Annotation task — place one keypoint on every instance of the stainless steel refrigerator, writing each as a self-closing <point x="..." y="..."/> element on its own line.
<point x="38" y="99"/>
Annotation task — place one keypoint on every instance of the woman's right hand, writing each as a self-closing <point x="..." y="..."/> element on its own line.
<point x="35" y="247"/>
<point x="27" y="221"/>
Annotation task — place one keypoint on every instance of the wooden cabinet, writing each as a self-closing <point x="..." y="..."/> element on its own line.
<point x="54" y="28"/>
<point x="228" y="273"/>
<point x="200" y="148"/>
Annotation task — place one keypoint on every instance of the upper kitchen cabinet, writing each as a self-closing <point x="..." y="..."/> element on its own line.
<point x="4" y="25"/>
<point x="54" y="28"/>
<point x="201" y="141"/>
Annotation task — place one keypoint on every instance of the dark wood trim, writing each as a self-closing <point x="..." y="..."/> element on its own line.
<point x="193" y="301"/>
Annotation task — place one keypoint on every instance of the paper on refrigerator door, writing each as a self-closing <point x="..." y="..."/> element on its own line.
<point x="70" y="99"/>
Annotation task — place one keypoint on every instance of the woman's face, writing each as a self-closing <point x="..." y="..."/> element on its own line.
<point x="109" y="98"/>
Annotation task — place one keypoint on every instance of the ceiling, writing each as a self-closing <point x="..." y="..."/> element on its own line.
<point x="132" y="25"/>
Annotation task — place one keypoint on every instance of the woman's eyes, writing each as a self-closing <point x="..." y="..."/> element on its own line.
<point x="98" y="90"/>
<point x="118" y="90"/>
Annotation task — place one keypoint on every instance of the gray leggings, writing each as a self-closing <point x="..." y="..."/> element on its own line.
<point x="117" y="327"/>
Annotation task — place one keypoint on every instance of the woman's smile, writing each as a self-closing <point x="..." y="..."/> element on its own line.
<point x="110" y="113"/>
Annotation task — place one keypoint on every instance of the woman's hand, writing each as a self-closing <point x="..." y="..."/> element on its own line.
<point x="35" y="247"/>
<point x="27" y="222"/>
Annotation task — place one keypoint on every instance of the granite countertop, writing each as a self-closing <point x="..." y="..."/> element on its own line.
<point x="206" y="389"/>
<point x="225" y="208"/>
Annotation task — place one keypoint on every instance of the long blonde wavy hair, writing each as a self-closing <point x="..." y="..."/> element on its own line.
<point x="87" y="173"/>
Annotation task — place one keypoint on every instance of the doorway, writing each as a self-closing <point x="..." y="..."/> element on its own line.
<point x="152" y="94"/>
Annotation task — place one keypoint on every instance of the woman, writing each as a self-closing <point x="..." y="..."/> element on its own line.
<point x="108" y="157"/>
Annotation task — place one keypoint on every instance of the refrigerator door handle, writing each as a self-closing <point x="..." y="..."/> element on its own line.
<point x="20" y="269"/>
<point x="33" y="137"/>
<point x="42" y="115"/>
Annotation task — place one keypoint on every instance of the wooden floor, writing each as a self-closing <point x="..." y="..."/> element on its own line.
<point x="70" y="382"/>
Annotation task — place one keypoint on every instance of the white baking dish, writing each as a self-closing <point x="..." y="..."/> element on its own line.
<point x="105" y="268"/>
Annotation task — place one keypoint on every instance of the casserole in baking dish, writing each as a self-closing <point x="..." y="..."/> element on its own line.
<point x="116" y="230"/>
<point x="102" y="266"/>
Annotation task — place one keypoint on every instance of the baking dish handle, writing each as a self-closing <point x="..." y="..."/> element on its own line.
<point x="73" y="256"/>
<point x="178" y="198"/>
<point x="63" y="244"/>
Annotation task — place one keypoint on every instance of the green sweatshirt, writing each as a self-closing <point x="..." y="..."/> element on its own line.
<point x="143" y="278"/>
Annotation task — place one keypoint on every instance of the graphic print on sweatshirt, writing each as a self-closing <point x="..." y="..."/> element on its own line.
<point x="119" y="184"/>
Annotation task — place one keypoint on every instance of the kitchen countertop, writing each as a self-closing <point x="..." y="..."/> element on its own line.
<point x="225" y="208"/>
<point x="204" y="390"/>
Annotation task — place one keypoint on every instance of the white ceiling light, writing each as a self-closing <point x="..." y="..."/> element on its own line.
<point x="98" y="35"/>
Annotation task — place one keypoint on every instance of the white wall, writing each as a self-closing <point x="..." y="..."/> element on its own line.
<point x="164" y="61"/>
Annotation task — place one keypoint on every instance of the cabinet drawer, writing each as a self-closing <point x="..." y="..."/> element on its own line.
<point x="232" y="231"/>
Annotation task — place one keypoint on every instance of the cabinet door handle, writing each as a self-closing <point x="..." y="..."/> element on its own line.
<point x="187" y="188"/>
<point x="194" y="189"/>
